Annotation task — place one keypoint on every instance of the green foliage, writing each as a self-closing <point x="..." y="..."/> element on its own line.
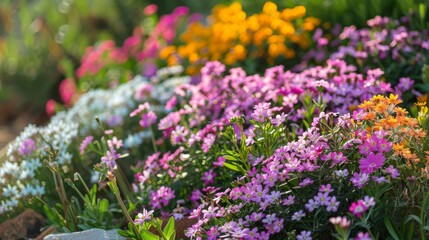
<point x="74" y="214"/>
<point x="36" y="36"/>
<point x="152" y="230"/>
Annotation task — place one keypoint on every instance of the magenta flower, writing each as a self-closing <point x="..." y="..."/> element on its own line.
<point x="358" y="208"/>
<point x="208" y="177"/>
<point x="371" y="163"/>
<point x="148" y="119"/>
<point x="161" y="197"/>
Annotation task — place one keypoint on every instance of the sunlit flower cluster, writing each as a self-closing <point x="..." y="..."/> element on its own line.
<point x="232" y="36"/>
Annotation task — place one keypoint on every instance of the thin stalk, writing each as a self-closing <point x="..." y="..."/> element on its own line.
<point x="83" y="183"/>
<point x="152" y="137"/>
<point x="112" y="184"/>
<point x="422" y="213"/>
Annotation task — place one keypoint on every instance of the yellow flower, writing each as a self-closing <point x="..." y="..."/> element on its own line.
<point x="231" y="36"/>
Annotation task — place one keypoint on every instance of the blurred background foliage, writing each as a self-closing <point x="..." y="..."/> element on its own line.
<point x="38" y="36"/>
<point x="35" y="36"/>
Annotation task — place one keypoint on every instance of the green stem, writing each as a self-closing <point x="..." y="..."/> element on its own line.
<point x="112" y="184"/>
<point x="152" y="136"/>
<point x="83" y="183"/>
<point x="71" y="184"/>
<point x="422" y="213"/>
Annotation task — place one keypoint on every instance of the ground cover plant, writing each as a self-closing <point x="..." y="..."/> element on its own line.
<point x="245" y="147"/>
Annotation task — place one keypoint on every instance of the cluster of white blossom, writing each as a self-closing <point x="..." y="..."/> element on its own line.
<point x="18" y="174"/>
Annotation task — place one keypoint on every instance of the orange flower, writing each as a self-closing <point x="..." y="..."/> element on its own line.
<point x="393" y="99"/>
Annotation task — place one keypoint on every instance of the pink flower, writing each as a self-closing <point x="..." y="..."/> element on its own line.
<point x="114" y="143"/>
<point x="340" y="221"/>
<point x="142" y="217"/>
<point x="50" y="107"/>
<point x="161" y="197"/>
<point x="363" y="236"/>
<point x="171" y="103"/>
<point x="140" y="109"/>
<point x="208" y="142"/>
<point x="371" y="163"/>
<point x="67" y="90"/>
<point x="150" y="9"/>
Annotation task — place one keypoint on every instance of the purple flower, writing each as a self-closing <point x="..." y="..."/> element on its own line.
<point x="306" y="182"/>
<point x="289" y="200"/>
<point x="304" y="235"/>
<point x="322" y="198"/>
<point x="369" y="201"/>
<point x="27" y="147"/>
<point x="332" y="205"/>
<point x="394" y="173"/>
<point x="261" y="112"/>
<point x="210" y="212"/>
<point x="110" y="158"/>
<point x="279" y="119"/>
<point x="359" y="179"/>
<point x="85" y="144"/>
<point x="297" y="216"/>
<point x="311" y="205"/>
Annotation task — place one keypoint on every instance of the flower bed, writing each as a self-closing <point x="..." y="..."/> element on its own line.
<point x="323" y="152"/>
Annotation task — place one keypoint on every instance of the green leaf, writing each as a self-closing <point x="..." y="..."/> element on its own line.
<point x="125" y="233"/>
<point x="146" y="235"/>
<point x="231" y="166"/>
<point x="413" y="217"/>
<point x="104" y="205"/>
<point x="169" y="229"/>
<point x="390" y="228"/>
<point x="425" y="73"/>
<point x="230" y="158"/>
<point x="48" y="212"/>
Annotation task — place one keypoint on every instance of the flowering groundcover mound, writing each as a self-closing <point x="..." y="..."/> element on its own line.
<point x="317" y="153"/>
